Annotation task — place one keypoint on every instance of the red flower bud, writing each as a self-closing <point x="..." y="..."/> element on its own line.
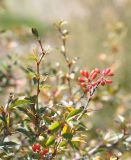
<point x="108" y="81"/>
<point x="92" y="72"/>
<point x="103" y="82"/>
<point x="94" y="75"/>
<point x="97" y="70"/>
<point x="94" y="84"/>
<point x="110" y="74"/>
<point x="81" y="79"/>
<point x="107" y="71"/>
<point x="83" y="84"/>
<point x="82" y="72"/>
<point x="86" y="74"/>
<point x="87" y="89"/>
<point x="88" y="80"/>
<point x="90" y="87"/>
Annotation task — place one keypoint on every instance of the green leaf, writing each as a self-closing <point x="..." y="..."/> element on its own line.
<point x="74" y="113"/>
<point x="66" y="132"/>
<point x="9" y="143"/>
<point x="33" y="57"/>
<point x="54" y="126"/>
<point x="24" y="131"/>
<point x="50" y="140"/>
<point x="2" y="118"/>
<point x="25" y="111"/>
<point x="19" y="102"/>
<point x="74" y="145"/>
<point x="63" y="144"/>
<point x="35" y="32"/>
<point x="68" y="136"/>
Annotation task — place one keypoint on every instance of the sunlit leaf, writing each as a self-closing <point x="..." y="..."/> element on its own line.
<point x="66" y="132"/>
<point x="74" y="113"/>
<point x="54" y="126"/>
<point x="50" y="140"/>
<point x="63" y="144"/>
<point x="18" y="102"/>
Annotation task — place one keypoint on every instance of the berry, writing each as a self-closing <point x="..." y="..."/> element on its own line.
<point x="36" y="147"/>
<point x="44" y="151"/>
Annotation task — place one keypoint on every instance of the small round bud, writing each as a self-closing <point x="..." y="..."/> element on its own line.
<point x="82" y="72"/>
<point x="81" y="79"/>
<point x="94" y="75"/>
<point x="83" y="84"/>
<point x="103" y="82"/>
<point x="97" y="70"/>
<point x="108" y="81"/>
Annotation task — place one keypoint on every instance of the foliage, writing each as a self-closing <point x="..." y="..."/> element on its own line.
<point x="49" y="120"/>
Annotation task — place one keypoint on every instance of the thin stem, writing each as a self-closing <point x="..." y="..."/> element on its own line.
<point x="91" y="93"/>
<point x="42" y="49"/>
<point x="38" y="72"/>
<point x="85" y="108"/>
<point x="38" y="85"/>
<point x="69" y="64"/>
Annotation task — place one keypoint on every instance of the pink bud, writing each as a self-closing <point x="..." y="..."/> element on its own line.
<point x="110" y="74"/>
<point x="81" y="79"/>
<point x="83" y="84"/>
<point x="82" y="72"/>
<point x="107" y="71"/>
<point x="92" y="72"/>
<point x="94" y="84"/>
<point x="103" y="82"/>
<point x="108" y="81"/>
<point x="86" y="74"/>
<point x="94" y="75"/>
<point x="97" y="70"/>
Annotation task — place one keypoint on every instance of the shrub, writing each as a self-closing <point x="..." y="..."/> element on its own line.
<point x="50" y="120"/>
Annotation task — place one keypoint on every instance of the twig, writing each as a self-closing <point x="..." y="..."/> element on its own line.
<point x="43" y="53"/>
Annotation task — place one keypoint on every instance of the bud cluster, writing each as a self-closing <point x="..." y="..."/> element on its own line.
<point x="90" y="81"/>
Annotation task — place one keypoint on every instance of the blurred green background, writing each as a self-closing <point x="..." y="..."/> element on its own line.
<point x="100" y="31"/>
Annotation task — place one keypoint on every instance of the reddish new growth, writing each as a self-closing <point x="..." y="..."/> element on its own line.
<point x="90" y="81"/>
